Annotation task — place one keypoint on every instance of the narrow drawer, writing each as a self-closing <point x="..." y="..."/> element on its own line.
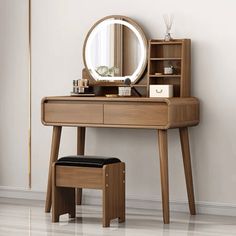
<point x="136" y="114"/>
<point x="68" y="113"/>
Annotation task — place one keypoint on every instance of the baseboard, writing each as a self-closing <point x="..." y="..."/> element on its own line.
<point x="132" y="201"/>
<point x="21" y="193"/>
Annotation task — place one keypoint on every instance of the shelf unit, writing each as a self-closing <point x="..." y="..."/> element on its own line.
<point x="174" y="53"/>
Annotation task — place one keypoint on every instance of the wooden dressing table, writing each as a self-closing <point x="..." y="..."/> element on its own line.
<point x="138" y="111"/>
<point x="144" y="113"/>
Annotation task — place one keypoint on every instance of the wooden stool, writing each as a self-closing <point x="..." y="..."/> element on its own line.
<point x="107" y="174"/>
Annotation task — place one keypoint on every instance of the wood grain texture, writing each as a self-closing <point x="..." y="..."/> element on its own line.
<point x="187" y="168"/>
<point x="163" y="154"/>
<point x="80" y="151"/>
<point x="110" y="179"/>
<point x="73" y="113"/>
<point x="176" y="53"/>
<point x="121" y="193"/>
<point x="151" y="113"/>
<point x="113" y="193"/>
<point x="185" y="84"/>
<point x="183" y="112"/>
<point x="56" y="136"/>
<point x="79" y="177"/>
<point x="135" y="114"/>
<point x="63" y="199"/>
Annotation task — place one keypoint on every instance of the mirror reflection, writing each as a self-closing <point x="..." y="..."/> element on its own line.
<point x="115" y="50"/>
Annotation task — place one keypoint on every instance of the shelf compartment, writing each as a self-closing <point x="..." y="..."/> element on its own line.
<point x="139" y="85"/>
<point x="166" y="51"/>
<point x="157" y="66"/>
<point x="162" y="42"/>
<point x="165" y="76"/>
<point x="169" y="80"/>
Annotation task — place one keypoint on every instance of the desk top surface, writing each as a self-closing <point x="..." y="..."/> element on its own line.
<point x="120" y="99"/>
<point x="127" y="112"/>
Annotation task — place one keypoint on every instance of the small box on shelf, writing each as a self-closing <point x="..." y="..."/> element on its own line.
<point x="161" y="90"/>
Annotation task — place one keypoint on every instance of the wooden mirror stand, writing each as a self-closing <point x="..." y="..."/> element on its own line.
<point x="176" y="53"/>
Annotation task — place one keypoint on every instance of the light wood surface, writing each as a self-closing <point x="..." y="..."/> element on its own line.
<point x="56" y="136"/>
<point x="151" y="113"/>
<point x="74" y="112"/>
<point x="113" y="193"/>
<point x="184" y="138"/>
<point x="80" y="151"/>
<point x="135" y="114"/>
<point x="176" y="53"/>
<point x="163" y="155"/>
<point x="74" y="176"/>
<point x="62" y="199"/>
<point x="148" y="113"/>
<point x="110" y="179"/>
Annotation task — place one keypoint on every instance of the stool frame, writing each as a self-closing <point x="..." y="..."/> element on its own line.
<point x="110" y="179"/>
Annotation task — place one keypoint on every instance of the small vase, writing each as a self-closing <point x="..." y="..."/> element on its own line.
<point x="167" y="37"/>
<point x="168" y="23"/>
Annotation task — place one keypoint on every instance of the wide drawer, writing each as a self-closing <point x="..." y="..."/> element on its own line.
<point x="136" y="114"/>
<point x="73" y="113"/>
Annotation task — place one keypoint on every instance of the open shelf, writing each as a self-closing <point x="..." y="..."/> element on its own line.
<point x="166" y="59"/>
<point x="162" y="42"/>
<point x="165" y="76"/>
<point x="174" y="54"/>
<point x="138" y="85"/>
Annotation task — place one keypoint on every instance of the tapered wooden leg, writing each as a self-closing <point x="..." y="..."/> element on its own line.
<point x="163" y="153"/>
<point x="80" y="151"/>
<point x="56" y="137"/>
<point x="187" y="168"/>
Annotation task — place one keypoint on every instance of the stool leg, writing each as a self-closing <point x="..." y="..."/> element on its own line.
<point x="63" y="199"/>
<point x="113" y="193"/>
<point x="106" y="192"/>
<point x="121" y="192"/>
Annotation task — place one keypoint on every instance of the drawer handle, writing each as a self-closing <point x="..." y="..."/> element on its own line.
<point x="159" y="90"/>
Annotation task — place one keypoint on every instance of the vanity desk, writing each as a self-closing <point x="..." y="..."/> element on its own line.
<point x="142" y="113"/>
<point x="137" y="111"/>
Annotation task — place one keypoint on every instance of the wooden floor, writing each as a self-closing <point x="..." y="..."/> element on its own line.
<point x="28" y="219"/>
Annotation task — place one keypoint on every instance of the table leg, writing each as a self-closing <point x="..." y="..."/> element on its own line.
<point x="80" y="151"/>
<point x="163" y="153"/>
<point x="56" y="137"/>
<point x="187" y="168"/>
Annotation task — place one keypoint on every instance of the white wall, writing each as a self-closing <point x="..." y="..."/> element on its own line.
<point x="59" y="28"/>
<point x="13" y="93"/>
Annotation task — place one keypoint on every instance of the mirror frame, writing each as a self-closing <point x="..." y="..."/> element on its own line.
<point x="140" y="31"/>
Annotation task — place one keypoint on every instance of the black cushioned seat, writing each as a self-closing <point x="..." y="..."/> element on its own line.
<point x="86" y="161"/>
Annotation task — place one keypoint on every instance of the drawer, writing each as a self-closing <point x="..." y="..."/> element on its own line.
<point x="136" y="114"/>
<point x="76" y="113"/>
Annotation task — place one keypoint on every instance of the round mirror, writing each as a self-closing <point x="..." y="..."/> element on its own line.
<point x="115" y="49"/>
